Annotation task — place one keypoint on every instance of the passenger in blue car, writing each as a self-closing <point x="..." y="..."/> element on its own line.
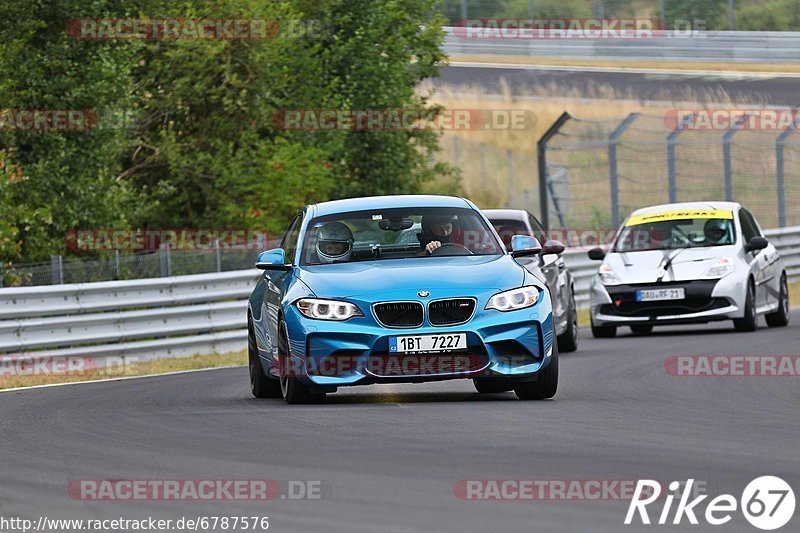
<point x="334" y="242"/>
<point x="436" y="231"/>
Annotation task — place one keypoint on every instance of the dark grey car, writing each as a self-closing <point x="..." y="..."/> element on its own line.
<point x="550" y="268"/>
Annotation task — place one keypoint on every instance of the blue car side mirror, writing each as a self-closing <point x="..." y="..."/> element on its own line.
<point x="274" y="259"/>
<point x="524" y="245"/>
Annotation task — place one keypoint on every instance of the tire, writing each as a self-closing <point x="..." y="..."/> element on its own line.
<point x="642" y="329"/>
<point x="568" y="341"/>
<point x="261" y="385"/>
<point x="547" y="383"/>
<point x="603" y="332"/>
<point x="292" y="389"/>
<point x="780" y="318"/>
<point x="749" y="322"/>
<point x="492" y="385"/>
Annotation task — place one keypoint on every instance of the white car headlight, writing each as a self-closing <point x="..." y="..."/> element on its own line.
<point x="721" y="268"/>
<point x="328" y="309"/>
<point x="514" y="299"/>
<point x="608" y="276"/>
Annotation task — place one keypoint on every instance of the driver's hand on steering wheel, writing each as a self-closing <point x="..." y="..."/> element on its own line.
<point x="431" y="246"/>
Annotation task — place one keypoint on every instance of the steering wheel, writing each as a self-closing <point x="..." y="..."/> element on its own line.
<point x="452" y="246"/>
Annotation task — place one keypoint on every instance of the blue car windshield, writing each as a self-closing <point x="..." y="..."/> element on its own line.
<point x="399" y="233"/>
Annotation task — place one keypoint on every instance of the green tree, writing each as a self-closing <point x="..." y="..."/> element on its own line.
<point x="373" y="56"/>
<point x="771" y="15"/>
<point x="69" y="175"/>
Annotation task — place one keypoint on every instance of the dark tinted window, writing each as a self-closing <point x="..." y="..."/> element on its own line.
<point x="749" y="226"/>
<point x="289" y="243"/>
<point x="538" y="230"/>
<point x="508" y="228"/>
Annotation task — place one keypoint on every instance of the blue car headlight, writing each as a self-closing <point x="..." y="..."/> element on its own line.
<point x="327" y="309"/>
<point x="514" y="299"/>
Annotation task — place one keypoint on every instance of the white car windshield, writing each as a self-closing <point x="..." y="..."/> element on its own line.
<point x="670" y="234"/>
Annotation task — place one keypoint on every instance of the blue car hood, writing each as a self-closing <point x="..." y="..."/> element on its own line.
<point x="463" y="273"/>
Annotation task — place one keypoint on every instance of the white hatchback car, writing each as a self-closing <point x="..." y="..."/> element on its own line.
<point x="688" y="263"/>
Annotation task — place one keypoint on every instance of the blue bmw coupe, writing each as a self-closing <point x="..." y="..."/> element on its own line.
<point x="399" y="289"/>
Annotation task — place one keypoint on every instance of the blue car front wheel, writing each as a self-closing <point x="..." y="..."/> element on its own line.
<point x="546" y="383"/>
<point x="293" y="390"/>
<point x="261" y="385"/>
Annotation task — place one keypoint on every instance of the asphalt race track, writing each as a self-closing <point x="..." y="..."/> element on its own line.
<point x="774" y="91"/>
<point x="389" y="455"/>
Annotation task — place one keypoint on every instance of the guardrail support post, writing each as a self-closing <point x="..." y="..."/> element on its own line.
<point x="779" y="174"/>
<point x="541" y="154"/>
<point x="613" y="174"/>
<point x="56" y="270"/>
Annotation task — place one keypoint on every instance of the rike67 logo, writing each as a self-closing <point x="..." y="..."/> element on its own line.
<point x="767" y="503"/>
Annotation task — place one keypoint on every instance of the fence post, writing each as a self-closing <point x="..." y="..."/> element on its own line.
<point x="613" y="172"/>
<point x="456" y="153"/>
<point x="510" y="176"/>
<point x="726" y="165"/>
<point x="482" y="152"/>
<point x="116" y="264"/>
<point x="163" y="255"/>
<point x="779" y="174"/>
<point x="541" y="155"/>
<point x="56" y="270"/>
<point x="727" y="141"/>
<point x="672" y="139"/>
<point x="218" y="255"/>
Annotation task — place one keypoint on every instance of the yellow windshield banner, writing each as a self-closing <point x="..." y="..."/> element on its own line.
<point x="679" y="215"/>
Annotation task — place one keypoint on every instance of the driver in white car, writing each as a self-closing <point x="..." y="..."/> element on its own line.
<point x="436" y="231"/>
<point x="716" y="231"/>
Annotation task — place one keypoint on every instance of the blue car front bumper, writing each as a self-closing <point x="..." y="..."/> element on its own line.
<point x="513" y="344"/>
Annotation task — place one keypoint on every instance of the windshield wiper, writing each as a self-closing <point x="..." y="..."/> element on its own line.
<point x="666" y="262"/>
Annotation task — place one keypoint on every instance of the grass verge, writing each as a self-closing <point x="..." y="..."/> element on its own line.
<point x="630" y="63"/>
<point x="156" y="366"/>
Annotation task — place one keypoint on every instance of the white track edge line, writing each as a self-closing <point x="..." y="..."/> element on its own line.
<point x="124" y="378"/>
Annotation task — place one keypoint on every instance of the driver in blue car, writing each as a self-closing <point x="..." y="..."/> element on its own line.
<point x="437" y="230"/>
<point x="334" y="242"/>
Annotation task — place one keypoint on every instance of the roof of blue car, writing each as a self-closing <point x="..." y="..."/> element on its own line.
<point x="387" y="202"/>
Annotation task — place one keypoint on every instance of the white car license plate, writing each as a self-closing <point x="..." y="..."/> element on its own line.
<point x="445" y="342"/>
<point x="649" y="295"/>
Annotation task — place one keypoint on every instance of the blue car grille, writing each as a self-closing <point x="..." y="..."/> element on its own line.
<point x="451" y="311"/>
<point x="399" y="314"/>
